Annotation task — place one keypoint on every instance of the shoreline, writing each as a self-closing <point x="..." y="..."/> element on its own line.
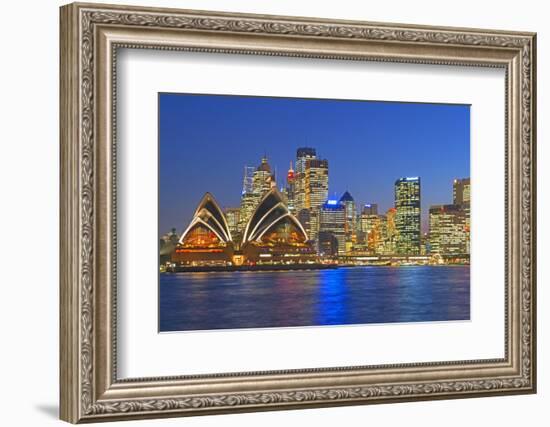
<point x="293" y="267"/>
<point x="266" y="267"/>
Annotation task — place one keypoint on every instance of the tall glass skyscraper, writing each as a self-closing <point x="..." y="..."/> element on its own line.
<point x="407" y="216"/>
<point x="449" y="233"/>
<point x="332" y="219"/>
<point x="351" y="218"/>
<point x="291" y="189"/>
<point x="248" y="199"/>
<point x="302" y="156"/>
<point x="461" y="191"/>
<point x="461" y="196"/>
<point x="450" y="224"/>
<point x="316" y="183"/>
<point x="263" y="180"/>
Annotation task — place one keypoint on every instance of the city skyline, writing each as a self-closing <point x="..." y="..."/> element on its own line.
<point x="373" y="162"/>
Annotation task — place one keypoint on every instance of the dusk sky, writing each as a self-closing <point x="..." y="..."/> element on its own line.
<point x="206" y="140"/>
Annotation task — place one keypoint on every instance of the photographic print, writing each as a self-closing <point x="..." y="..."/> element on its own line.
<point x="292" y="212"/>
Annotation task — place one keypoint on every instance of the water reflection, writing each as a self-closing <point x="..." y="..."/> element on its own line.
<point x="232" y="300"/>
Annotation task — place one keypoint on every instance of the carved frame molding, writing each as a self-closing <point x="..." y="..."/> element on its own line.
<point x="90" y="36"/>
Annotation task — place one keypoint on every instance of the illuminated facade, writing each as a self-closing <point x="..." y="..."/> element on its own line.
<point x="302" y="156"/>
<point x="269" y="228"/>
<point x="291" y="190"/>
<point x="232" y="216"/>
<point x="376" y="236"/>
<point x="369" y="215"/>
<point x="332" y="219"/>
<point x="309" y="218"/>
<point x="449" y="231"/>
<point x="450" y="224"/>
<point x="316" y="183"/>
<point x="350" y="219"/>
<point x="262" y="181"/>
<point x="461" y="191"/>
<point x="272" y="235"/>
<point x="379" y="233"/>
<point x="310" y="189"/>
<point x="328" y="244"/>
<point x="207" y="240"/>
<point x="392" y="235"/>
<point x="248" y="198"/>
<point x="461" y="196"/>
<point x="407" y="218"/>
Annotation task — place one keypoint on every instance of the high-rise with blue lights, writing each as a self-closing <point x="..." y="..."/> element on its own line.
<point x="332" y="219"/>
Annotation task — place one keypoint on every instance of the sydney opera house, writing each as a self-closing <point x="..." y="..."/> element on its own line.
<point x="273" y="235"/>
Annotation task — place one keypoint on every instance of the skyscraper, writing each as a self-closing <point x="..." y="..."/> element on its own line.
<point x="377" y="234"/>
<point x="449" y="233"/>
<point x="257" y="182"/>
<point x="262" y="181"/>
<point x="391" y="237"/>
<point x="461" y="191"/>
<point x="407" y="217"/>
<point x="332" y="219"/>
<point x="302" y="155"/>
<point x="247" y="197"/>
<point x="450" y="224"/>
<point x="316" y="183"/>
<point x="369" y="214"/>
<point x="461" y="196"/>
<point x="291" y="190"/>
<point x="350" y="218"/>
<point x="232" y="216"/>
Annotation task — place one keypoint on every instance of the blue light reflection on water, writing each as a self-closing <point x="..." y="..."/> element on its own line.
<point x="358" y="295"/>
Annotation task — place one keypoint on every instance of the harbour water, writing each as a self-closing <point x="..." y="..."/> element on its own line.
<point x="342" y="296"/>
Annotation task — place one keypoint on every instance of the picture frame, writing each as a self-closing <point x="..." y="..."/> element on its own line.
<point x="91" y="35"/>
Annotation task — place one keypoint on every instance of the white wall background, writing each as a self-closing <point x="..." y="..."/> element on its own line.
<point x="29" y="170"/>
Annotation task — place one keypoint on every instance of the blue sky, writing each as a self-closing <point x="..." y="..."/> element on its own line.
<point x="205" y="141"/>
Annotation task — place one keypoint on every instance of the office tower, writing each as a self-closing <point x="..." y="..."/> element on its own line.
<point x="461" y="191"/>
<point x="407" y="217"/>
<point x="316" y="183"/>
<point x="310" y="188"/>
<point x="302" y="155"/>
<point x="332" y="219"/>
<point x="390" y="239"/>
<point x="370" y="209"/>
<point x="309" y="218"/>
<point x="291" y="190"/>
<point x="450" y="224"/>
<point x="351" y="213"/>
<point x="257" y="182"/>
<point x="248" y="198"/>
<point x="304" y="216"/>
<point x="369" y="214"/>
<point x="377" y="234"/>
<point x="350" y="219"/>
<point x="449" y="232"/>
<point x="232" y="216"/>
<point x="461" y="196"/>
<point x="425" y="244"/>
<point x="262" y="180"/>
<point x="328" y="244"/>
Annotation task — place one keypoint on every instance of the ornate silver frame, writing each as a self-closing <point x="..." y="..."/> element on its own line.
<point x="90" y="36"/>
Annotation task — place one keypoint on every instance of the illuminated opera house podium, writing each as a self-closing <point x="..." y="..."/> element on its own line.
<point x="272" y="236"/>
